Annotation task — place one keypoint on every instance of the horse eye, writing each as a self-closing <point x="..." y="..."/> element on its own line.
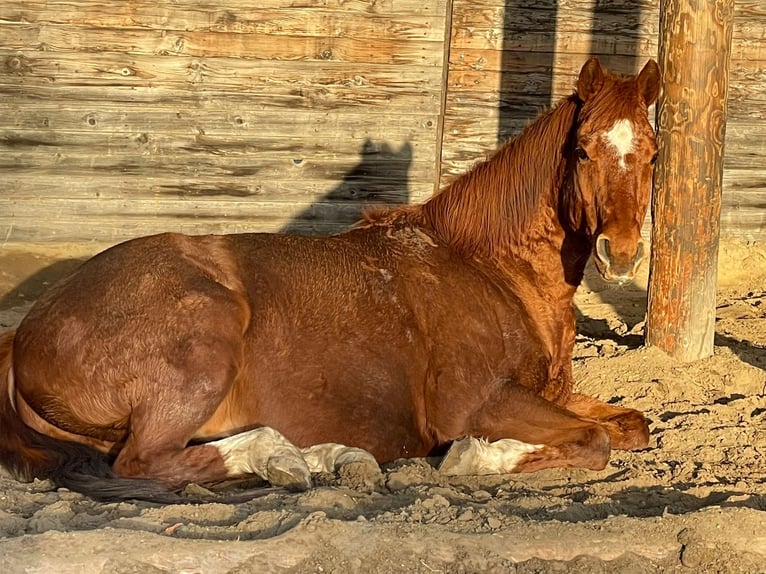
<point x="582" y="155"/>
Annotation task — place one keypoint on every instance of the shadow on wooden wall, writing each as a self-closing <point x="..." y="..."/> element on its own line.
<point x="526" y="64"/>
<point x="380" y="178"/>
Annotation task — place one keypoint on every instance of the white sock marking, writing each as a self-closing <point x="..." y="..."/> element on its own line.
<point x="328" y="457"/>
<point x="620" y="137"/>
<point x="249" y="452"/>
<point x="476" y="456"/>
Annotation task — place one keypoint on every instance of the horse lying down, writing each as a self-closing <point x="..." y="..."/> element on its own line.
<point x="168" y="359"/>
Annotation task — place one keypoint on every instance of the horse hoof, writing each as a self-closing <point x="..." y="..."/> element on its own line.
<point x="357" y="455"/>
<point x="288" y="472"/>
<point x="460" y="458"/>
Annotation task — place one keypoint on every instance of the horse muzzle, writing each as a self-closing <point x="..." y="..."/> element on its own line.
<point x="615" y="262"/>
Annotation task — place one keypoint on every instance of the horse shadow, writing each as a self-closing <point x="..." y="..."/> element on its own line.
<point x="29" y="289"/>
<point x="380" y="178"/>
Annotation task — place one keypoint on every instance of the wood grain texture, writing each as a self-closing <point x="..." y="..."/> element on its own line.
<point x="126" y="119"/>
<point x="295" y="101"/>
<point x="686" y="205"/>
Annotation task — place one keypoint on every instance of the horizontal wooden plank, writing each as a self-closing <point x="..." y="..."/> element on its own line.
<point x="566" y="6"/>
<point x="749" y="225"/>
<point x="278" y="149"/>
<point x="514" y="107"/>
<point x="248" y="47"/>
<point x="396" y="102"/>
<point x="231" y="121"/>
<point x="501" y="28"/>
<point x="72" y="220"/>
<point x="523" y="72"/>
<point x="182" y="30"/>
<point x="222" y="144"/>
<point x="217" y="82"/>
<point x="745" y="147"/>
<point x="748" y="182"/>
<point x="232" y="74"/>
<point x="346" y="182"/>
<point x="152" y="13"/>
<point x="397" y="186"/>
<point x="354" y="184"/>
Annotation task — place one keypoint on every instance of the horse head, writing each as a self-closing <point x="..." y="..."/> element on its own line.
<point x="613" y="157"/>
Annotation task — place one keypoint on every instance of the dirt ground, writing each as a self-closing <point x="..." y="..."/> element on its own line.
<point x="693" y="501"/>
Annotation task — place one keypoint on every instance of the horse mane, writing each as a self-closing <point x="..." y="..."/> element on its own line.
<point x="494" y="203"/>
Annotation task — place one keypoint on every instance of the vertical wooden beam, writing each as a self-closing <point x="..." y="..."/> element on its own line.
<point x="694" y="47"/>
<point x="444" y="93"/>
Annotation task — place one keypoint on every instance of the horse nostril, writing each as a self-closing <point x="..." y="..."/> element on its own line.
<point x="639" y="253"/>
<point x="602" y="249"/>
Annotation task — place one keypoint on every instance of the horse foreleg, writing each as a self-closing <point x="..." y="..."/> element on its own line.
<point x="516" y="430"/>
<point x="627" y="428"/>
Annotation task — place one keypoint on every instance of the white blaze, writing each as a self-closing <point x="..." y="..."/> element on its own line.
<point x="620" y="137"/>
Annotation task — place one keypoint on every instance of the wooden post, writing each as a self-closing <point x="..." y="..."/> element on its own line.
<point x="694" y="47"/>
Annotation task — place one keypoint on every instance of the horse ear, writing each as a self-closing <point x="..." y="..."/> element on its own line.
<point x="649" y="82"/>
<point x="591" y="79"/>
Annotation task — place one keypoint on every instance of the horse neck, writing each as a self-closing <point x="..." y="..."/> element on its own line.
<point x="507" y="208"/>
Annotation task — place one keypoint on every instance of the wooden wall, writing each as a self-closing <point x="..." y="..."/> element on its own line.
<point x="127" y="118"/>
<point x="120" y="119"/>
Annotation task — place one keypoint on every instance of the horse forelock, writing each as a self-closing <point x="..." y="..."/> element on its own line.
<point x="618" y="101"/>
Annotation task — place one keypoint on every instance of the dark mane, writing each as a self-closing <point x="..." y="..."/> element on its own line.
<point x="493" y="204"/>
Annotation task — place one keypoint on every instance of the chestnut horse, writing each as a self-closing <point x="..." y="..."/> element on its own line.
<point x="173" y="359"/>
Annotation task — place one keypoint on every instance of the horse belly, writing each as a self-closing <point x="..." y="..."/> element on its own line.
<point x="340" y="395"/>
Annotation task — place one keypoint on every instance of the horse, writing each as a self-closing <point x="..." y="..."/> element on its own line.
<point x="175" y="359"/>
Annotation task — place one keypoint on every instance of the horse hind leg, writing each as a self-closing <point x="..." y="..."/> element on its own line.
<point x="162" y="425"/>
<point x="266" y="453"/>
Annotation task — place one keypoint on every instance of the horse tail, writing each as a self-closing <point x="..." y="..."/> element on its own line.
<point x="28" y="454"/>
<point x="23" y="451"/>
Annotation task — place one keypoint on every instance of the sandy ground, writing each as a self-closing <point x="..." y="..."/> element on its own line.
<point x="693" y="501"/>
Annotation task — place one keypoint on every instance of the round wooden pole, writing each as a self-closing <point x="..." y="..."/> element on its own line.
<point x="695" y="41"/>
